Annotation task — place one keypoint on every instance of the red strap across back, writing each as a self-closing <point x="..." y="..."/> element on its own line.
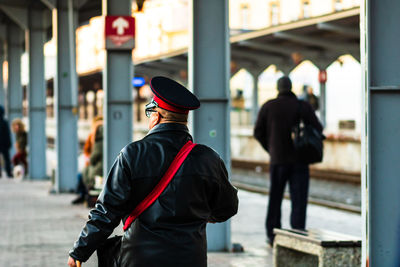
<point x="162" y="184"/>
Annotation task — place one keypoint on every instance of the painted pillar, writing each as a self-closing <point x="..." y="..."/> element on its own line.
<point x="65" y="95"/>
<point x="118" y="102"/>
<point x="15" y="39"/>
<point x="254" y="106"/>
<point x="36" y="97"/>
<point x="209" y="72"/>
<point x="380" y="61"/>
<point x="3" y="94"/>
<point x="322" y="78"/>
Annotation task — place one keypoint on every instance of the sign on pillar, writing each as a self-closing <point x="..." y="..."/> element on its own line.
<point x="322" y="76"/>
<point x="120" y="32"/>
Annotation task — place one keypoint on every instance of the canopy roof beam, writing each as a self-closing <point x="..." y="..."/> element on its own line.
<point x="277" y="48"/>
<point x="17" y="14"/>
<point x="51" y="4"/>
<point x="153" y="69"/>
<point x="257" y="57"/>
<point x="164" y="65"/>
<point x="3" y="33"/>
<point x="322" y="42"/>
<point x="350" y="31"/>
<point x="176" y="61"/>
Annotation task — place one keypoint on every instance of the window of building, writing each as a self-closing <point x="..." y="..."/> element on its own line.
<point x="244" y="16"/>
<point x="274" y="13"/>
<point x="305" y="9"/>
<point x="337" y="5"/>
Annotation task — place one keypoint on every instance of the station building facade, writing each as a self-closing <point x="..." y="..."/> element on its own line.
<point x="163" y="26"/>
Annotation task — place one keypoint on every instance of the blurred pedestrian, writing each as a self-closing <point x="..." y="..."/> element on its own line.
<point x="273" y="130"/>
<point x="308" y="96"/>
<point x="95" y="166"/>
<point x="89" y="143"/>
<point x="19" y="158"/>
<point x="312" y="99"/>
<point x="93" y="160"/>
<point x="172" y="231"/>
<point x="5" y="143"/>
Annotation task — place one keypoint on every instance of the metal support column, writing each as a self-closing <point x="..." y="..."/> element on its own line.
<point x="322" y="102"/>
<point x="209" y="74"/>
<point x="15" y="39"/>
<point x="36" y="97"/>
<point x="65" y="94"/>
<point x="3" y="94"/>
<point x="117" y="76"/>
<point x="380" y="59"/>
<point x="254" y="106"/>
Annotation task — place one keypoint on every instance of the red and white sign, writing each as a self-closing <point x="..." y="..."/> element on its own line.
<point x="120" y="32"/>
<point x="322" y="76"/>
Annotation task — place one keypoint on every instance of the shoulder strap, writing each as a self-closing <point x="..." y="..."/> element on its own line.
<point x="162" y="184"/>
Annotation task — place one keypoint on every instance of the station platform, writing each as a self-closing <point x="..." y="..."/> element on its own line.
<point x="39" y="228"/>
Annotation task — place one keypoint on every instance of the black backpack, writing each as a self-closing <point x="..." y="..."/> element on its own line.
<point x="307" y="141"/>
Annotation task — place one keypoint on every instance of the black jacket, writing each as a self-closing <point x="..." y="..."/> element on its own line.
<point x="274" y="124"/>
<point x="172" y="231"/>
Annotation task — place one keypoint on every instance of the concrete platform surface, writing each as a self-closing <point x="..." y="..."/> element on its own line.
<point x="38" y="228"/>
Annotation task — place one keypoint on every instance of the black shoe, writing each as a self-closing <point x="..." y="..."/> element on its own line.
<point x="78" y="200"/>
<point x="270" y="243"/>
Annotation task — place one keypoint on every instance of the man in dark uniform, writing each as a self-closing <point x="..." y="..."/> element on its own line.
<point x="273" y="130"/>
<point x="172" y="231"/>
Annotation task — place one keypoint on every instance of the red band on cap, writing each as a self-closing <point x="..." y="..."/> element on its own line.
<point x="164" y="105"/>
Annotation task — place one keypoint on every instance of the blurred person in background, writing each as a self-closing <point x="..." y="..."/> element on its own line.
<point x="5" y="143"/>
<point x="19" y="159"/>
<point x="92" y="160"/>
<point x="95" y="164"/>
<point x="273" y="130"/>
<point x="308" y="96"/>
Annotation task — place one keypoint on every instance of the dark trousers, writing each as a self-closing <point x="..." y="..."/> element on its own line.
<point x="298" y="177"/>
<point x="7" y="162"/>
<point x="81" y="187"/>
<point x="20" y="158"/>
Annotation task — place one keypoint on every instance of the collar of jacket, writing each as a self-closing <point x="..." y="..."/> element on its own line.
<point x="163" y="127"/>
<point x="285" y="94"/>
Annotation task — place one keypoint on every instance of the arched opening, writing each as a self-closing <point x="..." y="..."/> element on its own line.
<point x="267" y="84"/>
<point x="305" y="74"/>
<point x="343" y="96"/>
<point x="241" y="93"/>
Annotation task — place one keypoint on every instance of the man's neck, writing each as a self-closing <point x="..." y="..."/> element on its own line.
<point x="171" y="121"/>
<point x="285" y="93"/>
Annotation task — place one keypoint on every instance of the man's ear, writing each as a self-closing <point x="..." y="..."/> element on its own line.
<point x="158" y="114"/>
<point x="154" y="120"/>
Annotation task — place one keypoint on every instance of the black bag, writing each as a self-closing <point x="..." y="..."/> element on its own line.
<point x="307" y="141"/>
<point x="109" y="252"/>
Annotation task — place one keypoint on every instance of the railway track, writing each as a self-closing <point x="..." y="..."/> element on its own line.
<point x="331" y="175"/>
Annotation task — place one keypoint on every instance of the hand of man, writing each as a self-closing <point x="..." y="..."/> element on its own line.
<point x="71" y="262"/>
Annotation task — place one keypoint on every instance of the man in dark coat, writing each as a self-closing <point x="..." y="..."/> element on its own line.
<point x="172" y="231"/>
<point x="273" y="130"/>
<point x="5" y="142"/>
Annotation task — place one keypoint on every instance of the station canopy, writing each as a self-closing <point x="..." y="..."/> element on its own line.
<point x="319" y="39"/>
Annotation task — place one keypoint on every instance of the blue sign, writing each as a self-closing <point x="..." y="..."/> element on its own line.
<point x="138" y="81"/>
